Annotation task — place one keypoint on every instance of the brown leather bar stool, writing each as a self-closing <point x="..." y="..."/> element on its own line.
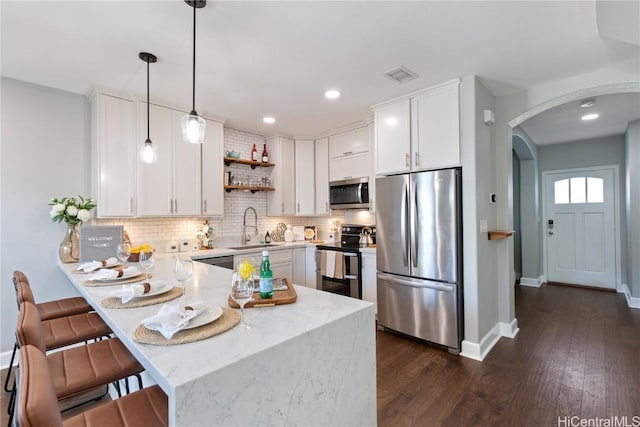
<point x="38" y="406"/>
<point x="78" y="369"/>
<point x="48" y="310"/>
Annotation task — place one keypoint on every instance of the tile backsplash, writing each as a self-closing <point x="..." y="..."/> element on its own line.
<point x="228" y="230"/>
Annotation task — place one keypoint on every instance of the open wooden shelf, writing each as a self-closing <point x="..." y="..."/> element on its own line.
<point x="230" y="188"/>
<point x="500" y="234"/>
<point x="229" y="160"/>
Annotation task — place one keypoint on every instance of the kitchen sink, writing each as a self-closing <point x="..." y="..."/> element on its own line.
<point x="264" y="245"/>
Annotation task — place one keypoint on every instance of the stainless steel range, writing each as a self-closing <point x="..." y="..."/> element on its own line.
<point x="338" y="265"/>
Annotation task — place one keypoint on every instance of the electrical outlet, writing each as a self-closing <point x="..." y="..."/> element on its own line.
<point x="484" y="226"/>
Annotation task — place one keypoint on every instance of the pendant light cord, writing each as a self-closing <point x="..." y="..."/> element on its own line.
<point x="148" y="101"/>
<point x="193" y="104"/>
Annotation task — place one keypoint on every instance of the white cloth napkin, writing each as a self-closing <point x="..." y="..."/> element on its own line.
<point x="127" y="293"/>
<point x="94" y="265"/>
<point x="172" y="318"/>
<point x="108" y="273"/>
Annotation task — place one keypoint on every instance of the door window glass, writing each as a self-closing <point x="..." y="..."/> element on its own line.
<point x="578" y="190"/>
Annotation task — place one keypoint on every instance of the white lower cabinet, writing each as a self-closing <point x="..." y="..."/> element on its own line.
<point x="280" y="261"/>
<point x="369" y="280"/>
<point x="299" y="266"/>
<point x="310" y="267"/>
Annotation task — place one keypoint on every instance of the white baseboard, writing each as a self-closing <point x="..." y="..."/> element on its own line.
<point x="509" y="330"/>
<point x="478" y="351"/>
<point x="632" y="302"/>
<point x="534" y="283"/>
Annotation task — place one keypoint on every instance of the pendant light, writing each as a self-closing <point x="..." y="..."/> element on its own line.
<point x="148" y="151"/>
<point x="192" y="124"/>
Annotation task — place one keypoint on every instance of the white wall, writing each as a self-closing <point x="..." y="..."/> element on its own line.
<point x="632" y="199"/>
<point x="45" y="153"/>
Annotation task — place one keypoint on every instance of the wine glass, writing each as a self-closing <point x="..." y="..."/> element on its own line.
<point x="146" y="261"/>
<point x="123" y="252"/>
<point x="241" y="293"/>
<point x="183" y="270"/>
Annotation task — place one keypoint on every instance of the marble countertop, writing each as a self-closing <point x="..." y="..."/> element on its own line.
<point x="173" y="366"/>
<point x="216" y="252"/>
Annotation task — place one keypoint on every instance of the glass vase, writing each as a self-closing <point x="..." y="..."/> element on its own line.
<point x="69" y="250"/>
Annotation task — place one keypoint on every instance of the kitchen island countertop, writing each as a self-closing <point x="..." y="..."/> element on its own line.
<point x="311" y="362"/>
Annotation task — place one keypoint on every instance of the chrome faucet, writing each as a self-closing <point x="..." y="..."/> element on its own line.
<point x="246" y="237"/>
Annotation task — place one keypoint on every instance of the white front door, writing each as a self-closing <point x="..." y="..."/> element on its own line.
<point x="580" y="228"/>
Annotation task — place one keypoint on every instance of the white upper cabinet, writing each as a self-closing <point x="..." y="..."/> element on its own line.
<point x="322" y="176"/>
<point x="350" y="142"/>
<point x="435" y="128"/>
<point x="349" y="154"/>
<point x="393" y="137"/>
<point x="114" y="154"/>
<point x="305" y="177"/>
<point x="282" y="200"/>
<point x="420" y="132"/>
<point x="172" y="185"/>
<point x="348" y="167"/>
<point x="213" y="170"/>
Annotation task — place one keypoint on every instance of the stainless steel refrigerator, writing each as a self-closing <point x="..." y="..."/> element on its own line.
<point x="419" y="250"/>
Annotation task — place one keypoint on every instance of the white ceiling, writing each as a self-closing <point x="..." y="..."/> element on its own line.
<point x="278" y="58"/>
<point x="563" y="123"/>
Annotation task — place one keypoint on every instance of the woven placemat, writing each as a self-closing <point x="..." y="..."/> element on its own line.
<point x="137" y="278"/>
<point x="116" y="302"/>
<point x="228" y="320"/>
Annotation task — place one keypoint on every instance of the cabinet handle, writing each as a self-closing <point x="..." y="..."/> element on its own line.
<point x="282" y="207"/>
<point x="407" y="160"/>
<point x="347" y="177"/>
<point x="175" y="202"/>
<point x="417" y="159"/>
<point x="346" y="153"/>
<point x="171" y="205"/>
<point x="326" y="207"/>
<point x="131" y="205"/>
<point x="205" y="206"/>
<point x="298" y="207"/>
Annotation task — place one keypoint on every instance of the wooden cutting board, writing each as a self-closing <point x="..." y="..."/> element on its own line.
<point x="288" y="296"/>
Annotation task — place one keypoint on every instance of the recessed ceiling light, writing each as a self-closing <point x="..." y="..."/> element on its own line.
<point x="588" y="103"/>
<point x="269" y="120"/>
<point x="332" y="94"/>
<point x="590" y="116"/>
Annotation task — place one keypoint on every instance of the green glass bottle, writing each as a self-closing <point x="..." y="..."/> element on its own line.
<point x="266" y="277"/>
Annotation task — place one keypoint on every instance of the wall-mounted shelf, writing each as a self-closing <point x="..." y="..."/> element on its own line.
<point x="230" y="188"/>
<point x="229" y="160"/>
<point x="500" y="234"/>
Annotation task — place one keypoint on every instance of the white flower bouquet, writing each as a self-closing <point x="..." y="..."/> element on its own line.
<point x="72" y="210"/>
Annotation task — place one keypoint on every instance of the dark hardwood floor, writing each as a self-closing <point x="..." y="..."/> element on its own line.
<point x="577" y="354"/>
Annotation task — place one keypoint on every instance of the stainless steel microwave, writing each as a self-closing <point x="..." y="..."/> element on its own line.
<point x="349" y="194"/>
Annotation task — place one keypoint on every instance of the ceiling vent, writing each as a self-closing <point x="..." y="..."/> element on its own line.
<point x="401" y="74"/>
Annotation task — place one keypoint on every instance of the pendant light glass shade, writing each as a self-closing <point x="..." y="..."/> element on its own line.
<point x="148" y="151"/>
<point x="193" y="125"/>
<point x="193" y="128"/>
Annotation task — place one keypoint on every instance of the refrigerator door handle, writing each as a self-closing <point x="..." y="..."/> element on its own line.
<point x="417" y="283"/>
<point x="414" y="226"/>
<point x="403" y="224"/>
